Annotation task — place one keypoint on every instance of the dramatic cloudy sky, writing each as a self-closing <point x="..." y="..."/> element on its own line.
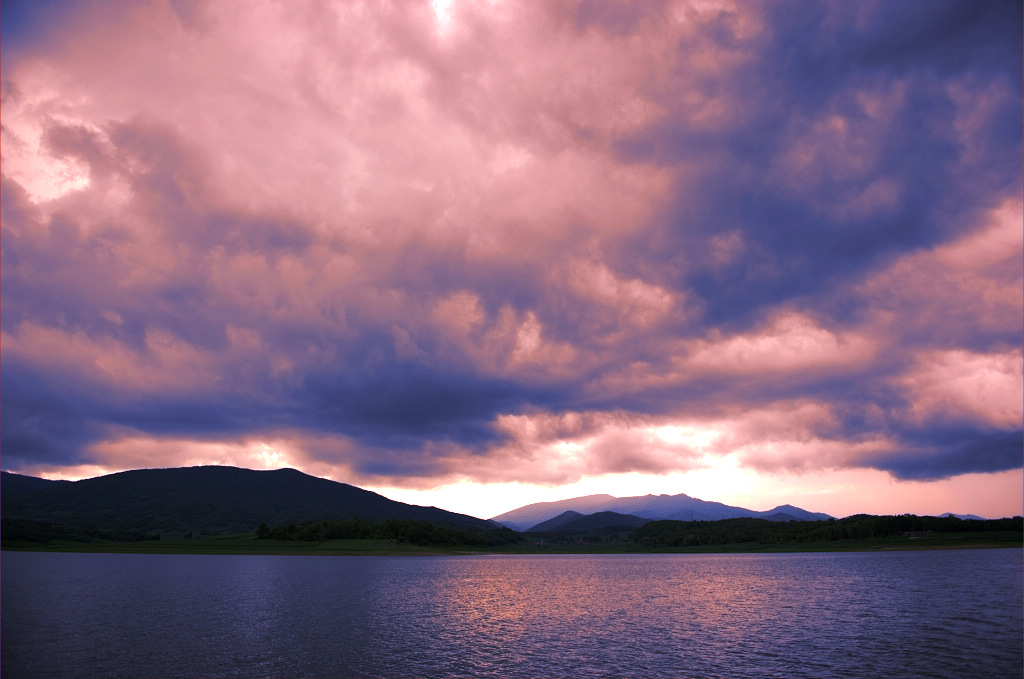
<point x="477" y="254"/>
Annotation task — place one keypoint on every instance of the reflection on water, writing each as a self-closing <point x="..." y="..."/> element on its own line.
<point x="910" y="614"/>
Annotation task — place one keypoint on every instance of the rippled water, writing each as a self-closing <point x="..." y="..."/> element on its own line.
<point x="896" y="614"/>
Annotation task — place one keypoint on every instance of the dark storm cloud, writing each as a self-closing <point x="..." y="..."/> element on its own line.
<point x="396" y="401"/>
<point x="938" y="454"/>
<point x="43" y="423"/>
<point x="813" y="65"/>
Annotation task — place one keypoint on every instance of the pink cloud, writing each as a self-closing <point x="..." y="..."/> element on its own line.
<point x="961" y="386"/>
<point x="164" y="364"/>
<point x="790" y="345"/>
<point x="956" y="292"/>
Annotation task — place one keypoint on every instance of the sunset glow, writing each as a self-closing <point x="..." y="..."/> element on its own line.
<point x="481" y="254"/>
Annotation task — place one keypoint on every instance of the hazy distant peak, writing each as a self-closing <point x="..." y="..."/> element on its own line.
<point x="680" y="507"/>
<point x="964" y="516"/>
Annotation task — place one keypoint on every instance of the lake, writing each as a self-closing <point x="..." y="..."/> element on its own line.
<point x="950" y="613"/>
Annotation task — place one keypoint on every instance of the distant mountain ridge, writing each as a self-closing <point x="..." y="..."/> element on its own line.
<point x="556" y="521"/>
<point x="208" y="499"/>
<point x="680" y="507"/>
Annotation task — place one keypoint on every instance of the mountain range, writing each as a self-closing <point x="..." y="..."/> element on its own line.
<point x="211" y="499"/>
<point x="541" y="516"/>
<point x="215" y="499"/>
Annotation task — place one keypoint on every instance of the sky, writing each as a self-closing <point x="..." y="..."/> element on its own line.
<point x="478" y="254"/>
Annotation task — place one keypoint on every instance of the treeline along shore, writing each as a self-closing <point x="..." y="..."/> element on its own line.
<point x="858" y="527"/>
<point x="861" y="532"/>
<point x="395" y="530"/>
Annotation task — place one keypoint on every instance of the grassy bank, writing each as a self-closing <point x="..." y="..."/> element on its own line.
<point x="248" y="544"/>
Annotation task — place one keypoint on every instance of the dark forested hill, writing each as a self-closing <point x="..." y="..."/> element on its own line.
<point x="205" y="500"/>
<point x="555" y="522"/>
<point x="574" y="522"/>
<point x="13" y="485"/>
<point x="600" y="520"/>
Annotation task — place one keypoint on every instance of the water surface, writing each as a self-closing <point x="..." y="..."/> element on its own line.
<point x="933" y="614"/>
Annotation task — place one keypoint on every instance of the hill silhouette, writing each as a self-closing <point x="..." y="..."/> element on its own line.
<point x="208" y="500"/>
<point x="599" y="520"/>
<point x="556" y="521"/>
<point x="19" y="484"/>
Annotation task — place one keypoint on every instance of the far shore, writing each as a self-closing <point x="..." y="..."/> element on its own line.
<point x="247" y="544"/>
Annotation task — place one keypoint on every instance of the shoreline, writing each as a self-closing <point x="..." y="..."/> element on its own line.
<point x="247" y="544"/>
